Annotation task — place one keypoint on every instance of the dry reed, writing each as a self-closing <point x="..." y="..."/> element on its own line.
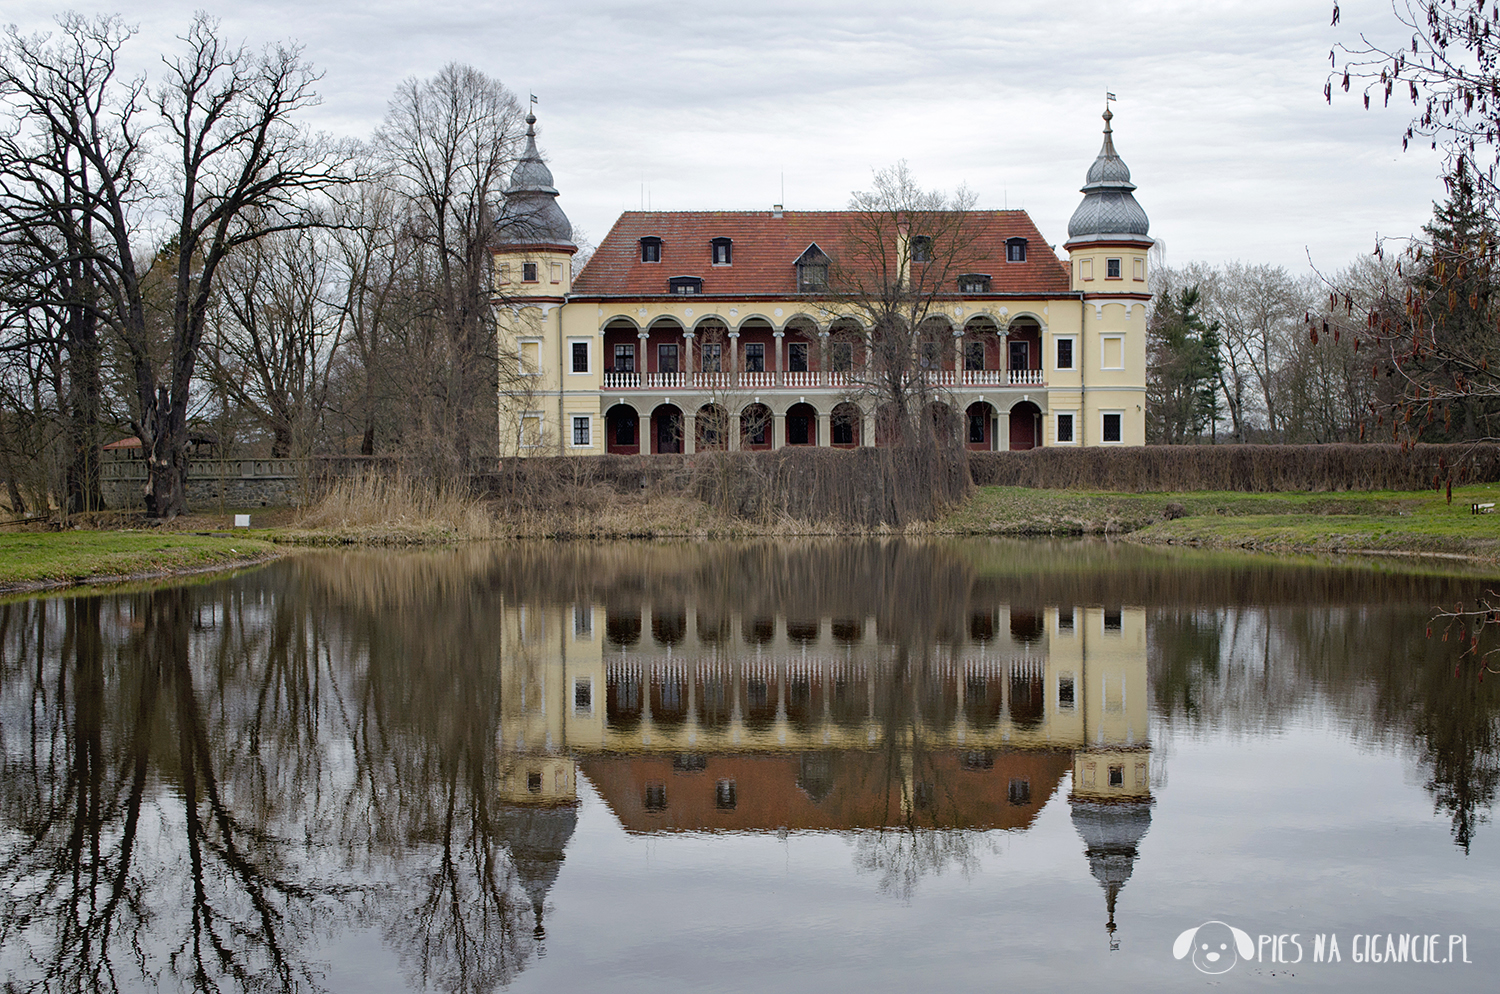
<point x="395" y="507"/>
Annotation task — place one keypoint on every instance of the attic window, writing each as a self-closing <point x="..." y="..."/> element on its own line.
<point x="812" y="270"/>
<point x="974" y="283"/>
<point x="651" y="249"/>
<point x="1015" y="250"/>
<point x="721" y="251"/>
<point x="685" y="285"/>
<point x="921" y="249"/>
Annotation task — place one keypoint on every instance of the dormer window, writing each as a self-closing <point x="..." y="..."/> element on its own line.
<point x="651" y="249"/>
<point x="921" y="249"/>
<point x="974" y="283"/>
<point x="812" y="270"/>
<point x="1015" y="250"/>
<point x="685" y="285"/>
<point x="722" y="251"/>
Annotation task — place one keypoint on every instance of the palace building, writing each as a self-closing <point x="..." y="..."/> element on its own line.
<point x="689" y="330"/>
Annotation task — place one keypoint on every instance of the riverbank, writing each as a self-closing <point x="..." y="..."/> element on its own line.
<point x="35" y="560"/>
<point x="1382" y="522"/>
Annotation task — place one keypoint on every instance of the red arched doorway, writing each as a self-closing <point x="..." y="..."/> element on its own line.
<point x="1025" y="426"/>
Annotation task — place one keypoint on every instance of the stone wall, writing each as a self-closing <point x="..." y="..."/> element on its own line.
<point x="237" y="483"/>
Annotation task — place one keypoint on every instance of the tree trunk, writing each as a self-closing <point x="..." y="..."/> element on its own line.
<point x="164" y="438"/>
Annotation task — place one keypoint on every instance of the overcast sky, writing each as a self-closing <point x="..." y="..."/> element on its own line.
<point x="1220" y="117"/>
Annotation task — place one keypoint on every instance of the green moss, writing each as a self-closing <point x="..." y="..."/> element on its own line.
<point x="36" y="559"/>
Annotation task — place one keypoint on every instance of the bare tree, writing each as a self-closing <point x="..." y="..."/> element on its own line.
<point x="449" y="143"/>
<point x="205" y="162"/>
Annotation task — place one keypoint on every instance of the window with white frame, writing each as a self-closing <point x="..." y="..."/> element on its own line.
<point x="1112" y="352"/>
<point x="583" y="696"/>
<point x="721" y="251"/>
<point x="625" y="358"/>
<point x="1065" y="422"/>
<point x="531" y="430"/>
<point x="583" y="622"/>
<point x="531" y="357"/>
<point x="1112" y="426"/>
<point x="1111" y="269"/>
<point x="578" y="355"/>
<point x="583" y="431"/>
<point x="528" y="272"/>
<point x="1064" y="346"/>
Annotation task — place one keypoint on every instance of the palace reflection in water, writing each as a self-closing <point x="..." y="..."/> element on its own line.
<point x="214" y="786"/>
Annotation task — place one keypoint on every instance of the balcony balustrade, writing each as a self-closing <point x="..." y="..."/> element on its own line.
<point x="805" y="379"/>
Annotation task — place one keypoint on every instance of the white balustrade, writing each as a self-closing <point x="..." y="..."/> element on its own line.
<point x="622" y="381"/>
<point x="801" y="378"/>
<point x="1026" y="377"/>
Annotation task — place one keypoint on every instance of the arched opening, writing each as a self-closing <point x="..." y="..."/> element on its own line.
<point x="713" y="427"/>
<point x="1023" y="345"/>
<point x="801" y="425"/>
<point x="935" y="345"/>
<point x="711" y="360"/>
<point x="622" y="363"/>
<point x="755" y="427"/>
<point x="622" y="430"/>
<point x="844" y="426"/>
<point x="666" y="429"/>
<point x="846" y="351"/>
<point x="669" y="696"/>
<point x="801" y="360"/>
<point x="979" y="422"/>
<point x="944" y="422"/>
<point x="1025" y="426"/>
<point x="664" y="358"/>
<point x="757" y="352"/>
<point x="981" y="351"/>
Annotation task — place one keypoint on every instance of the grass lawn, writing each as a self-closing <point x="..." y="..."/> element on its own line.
<point x="1386" y="521"/>
<point x="29" y="559"/>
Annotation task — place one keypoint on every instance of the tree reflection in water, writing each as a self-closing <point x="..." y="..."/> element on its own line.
<point x="201" y="787"/>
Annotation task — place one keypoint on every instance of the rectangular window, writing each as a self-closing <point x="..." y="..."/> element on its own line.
<point x="528" y="272"/>
<point x="651" y="250"/>
<point x="1111" y="269"/>
<point x="625" y="430"/>
<point x="1065" y="353"/>
<point x="977" y="423"/>
<point x="1138" y="269"/>
<point x="842" y="429"/>
<point x="1112" y="352"/>
<point x="1020" y="355"/>
<point x="583" y="696"/>
<point x="713" y="358"/>
<point x="724" y="797"/>
<point x="1111" y="428"/>
<point x="1117" y="776"/>
<point x="721" y="251"/>
<point x="581" y="432"/>
<point x="973" y="355"/>
<point x="755" y="357"/>
<point x="1066" y="694"/>
<point x="666" y="358"/>
<point x="841" y="356"/>
<point x="583" y="622"/>
<point x="1015" y="250"/>
<point x="624" y="358"/>
<point x="531" y="358"/>
<point x="656" y="797"/>
<point x="1065" y="620"/>
<point x="796" y="357"/>
<point x="1065" y="427"/>
<point x="921" y="249"/>
<point x="930" y="355"/>
<point x="557" y="272"/>
<point x="1020" y="791"/>
<point x="580" y="353"/>
<point x="1113" y="621"/>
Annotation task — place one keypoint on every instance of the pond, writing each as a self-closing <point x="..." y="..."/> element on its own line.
<point x="879" y="765"/>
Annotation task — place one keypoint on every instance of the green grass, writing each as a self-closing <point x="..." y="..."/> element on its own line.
<point x="37" y="559"/>
<point x="1382" y="521"/>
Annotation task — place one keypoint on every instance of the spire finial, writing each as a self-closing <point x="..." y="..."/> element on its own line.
<point x="1108" y="114"/>
<point x="531" y="117"/>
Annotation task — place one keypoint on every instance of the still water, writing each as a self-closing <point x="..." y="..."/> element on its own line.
<point x="874" y="766"/>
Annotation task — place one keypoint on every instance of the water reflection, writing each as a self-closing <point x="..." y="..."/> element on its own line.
<point x="204" y="786"/>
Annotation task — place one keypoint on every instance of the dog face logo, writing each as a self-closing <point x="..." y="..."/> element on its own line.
<point x="1214" y="946"/>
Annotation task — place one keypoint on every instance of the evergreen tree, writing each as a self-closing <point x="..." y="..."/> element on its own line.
<point x="1182" y="373"/>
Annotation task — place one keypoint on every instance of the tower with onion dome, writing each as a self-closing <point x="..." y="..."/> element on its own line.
<point x="1108" y="245"/>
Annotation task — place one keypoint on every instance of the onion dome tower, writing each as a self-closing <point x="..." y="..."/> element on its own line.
<point x="1109" y="210"/>
<point x="1111" y="834"/>
<point x="533" y="239"/>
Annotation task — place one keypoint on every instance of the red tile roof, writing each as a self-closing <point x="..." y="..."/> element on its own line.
<point x="767" y="247"/>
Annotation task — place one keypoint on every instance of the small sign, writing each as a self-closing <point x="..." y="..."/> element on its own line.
<point x="242" y="521"/>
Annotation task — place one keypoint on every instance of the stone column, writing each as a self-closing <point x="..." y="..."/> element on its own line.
<point x="959" y="362"/>
<point x="734" y="359"/>
<point x="1002" y="431"/>
<point x="822" y="358"/>
<point x="689" y="433"/>
<point x="641" y="362"/>
<point x="778" y="335"/>
<point x="778" y="431"/>
<point x="867" y="430"/>
<point x="687" y="359"/>
<point x="734" y="432"/>
<point x="825" y="421"/>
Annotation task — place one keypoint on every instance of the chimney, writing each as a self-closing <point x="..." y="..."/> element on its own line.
<point x="775" y="210"/>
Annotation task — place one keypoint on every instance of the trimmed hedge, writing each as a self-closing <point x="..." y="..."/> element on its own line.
<point x="1245" y="468"/>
